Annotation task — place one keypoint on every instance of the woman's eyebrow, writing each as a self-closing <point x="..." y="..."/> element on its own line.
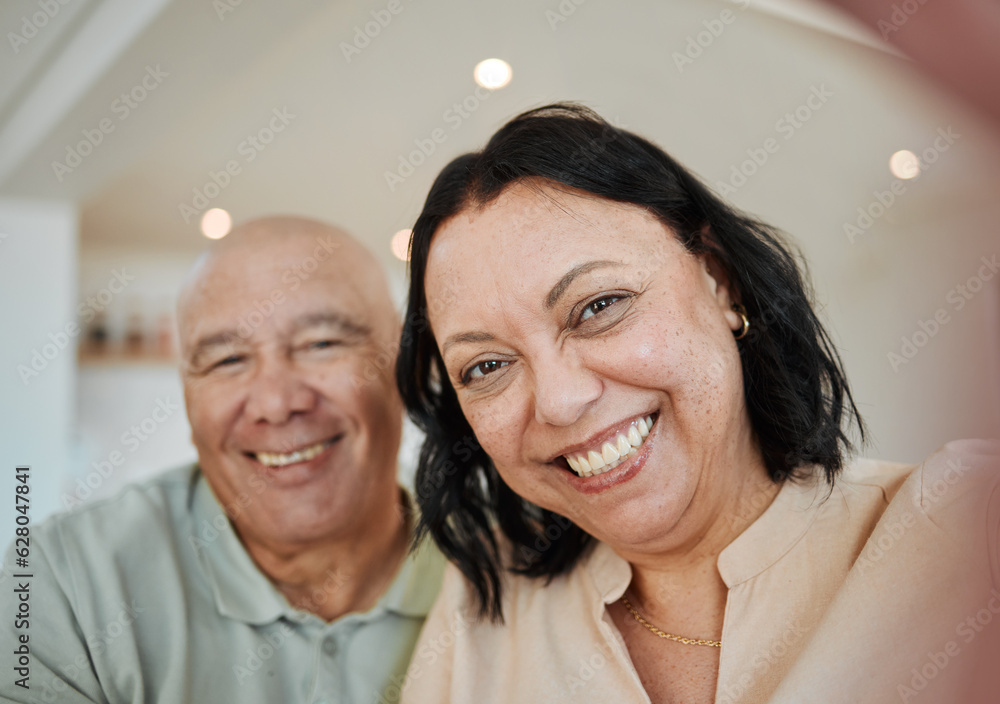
<point x="465" y="337"/>
<point x="560" y="288"/>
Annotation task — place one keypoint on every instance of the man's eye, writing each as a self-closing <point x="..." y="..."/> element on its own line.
<point x="597" y="306"/>
<point x="482" y="369"/>
<point x="228" y="361"/>
<point x="319" y="345"/>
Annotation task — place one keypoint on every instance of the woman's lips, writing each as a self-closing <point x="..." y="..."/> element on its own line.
<point x="627" y="468"/>
<point x="607" y="455"/>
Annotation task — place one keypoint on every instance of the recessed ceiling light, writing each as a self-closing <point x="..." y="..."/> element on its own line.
<point x="904" y="164"/>
<point x="401" y="245"/>
<point x="216" y="223"/>
<point x="493" y="73"/>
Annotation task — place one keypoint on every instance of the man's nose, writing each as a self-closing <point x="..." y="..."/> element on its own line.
<point x="277" y="392"/>
<point x="564" y="388"/>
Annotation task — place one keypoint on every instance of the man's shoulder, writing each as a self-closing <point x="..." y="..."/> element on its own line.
<point x="140" y="515"/>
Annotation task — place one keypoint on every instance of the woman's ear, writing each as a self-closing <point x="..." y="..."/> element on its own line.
<point x="718" y="284"/>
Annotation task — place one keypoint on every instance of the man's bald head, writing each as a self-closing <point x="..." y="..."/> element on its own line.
<point x="297" y="250"/>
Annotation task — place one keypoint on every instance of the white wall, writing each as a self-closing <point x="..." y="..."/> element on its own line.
<point x="38" y="246"/>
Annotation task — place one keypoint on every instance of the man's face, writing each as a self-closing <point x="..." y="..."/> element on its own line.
<point x="287" y="371"/>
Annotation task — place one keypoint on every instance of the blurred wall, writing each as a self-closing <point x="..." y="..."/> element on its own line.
<point x="38" y="267"/>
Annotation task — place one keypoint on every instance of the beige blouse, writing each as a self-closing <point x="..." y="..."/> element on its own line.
<point x="881" y="590"/>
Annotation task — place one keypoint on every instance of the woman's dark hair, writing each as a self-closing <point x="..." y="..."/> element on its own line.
<point x="796" y="392"/>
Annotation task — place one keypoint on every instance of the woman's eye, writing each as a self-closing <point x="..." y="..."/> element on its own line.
<point x="597" y="306"/>
<point x="483" y="368"/>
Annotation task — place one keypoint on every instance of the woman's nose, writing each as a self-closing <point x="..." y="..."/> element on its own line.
<point x="564" y="389"/>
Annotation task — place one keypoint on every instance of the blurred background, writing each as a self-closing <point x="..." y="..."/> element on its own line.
<point x="122" y="122"/>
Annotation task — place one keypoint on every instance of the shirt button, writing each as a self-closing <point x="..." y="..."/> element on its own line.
<point x="329" y="647"/>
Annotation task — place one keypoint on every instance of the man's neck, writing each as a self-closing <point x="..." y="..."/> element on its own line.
<point x="332" y="578"/>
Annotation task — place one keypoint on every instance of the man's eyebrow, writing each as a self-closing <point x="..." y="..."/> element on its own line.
<point x="225" y="338"/>
<point x="344" y="323"/>
<point x="228" y="338"/>
<point x="465" y="337"/>
<point x="560" y="288"/>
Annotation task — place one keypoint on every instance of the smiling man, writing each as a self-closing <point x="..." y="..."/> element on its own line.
<point x="276" y="568"/>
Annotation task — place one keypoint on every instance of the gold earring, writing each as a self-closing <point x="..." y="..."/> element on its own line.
<point x="746" y="321"/>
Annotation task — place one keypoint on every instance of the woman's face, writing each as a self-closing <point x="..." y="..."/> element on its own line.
<point x="565" y="322"/>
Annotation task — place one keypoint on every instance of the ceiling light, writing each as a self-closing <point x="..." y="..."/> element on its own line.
<point x="216" y="223"/>
<point x="492" y="73"/>
<point x="904" y="164"/>
<point x="401" y="245"/>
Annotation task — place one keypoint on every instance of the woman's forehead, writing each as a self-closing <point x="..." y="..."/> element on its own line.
<point x="540" y="220"/>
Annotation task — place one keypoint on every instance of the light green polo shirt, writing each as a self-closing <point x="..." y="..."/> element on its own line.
<point x="151" y="597"/>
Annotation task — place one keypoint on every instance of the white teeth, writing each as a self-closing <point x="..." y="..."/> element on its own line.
<point x="624" y="446"/>
<point x="595" y="460"/>
<point x="608" y="453"/>
<point x="273" y="459"/>
<point x="611" y="453"/>
<point x="633" y="436"/>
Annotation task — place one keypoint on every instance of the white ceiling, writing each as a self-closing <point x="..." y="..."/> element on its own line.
<point x="354" y="119"/>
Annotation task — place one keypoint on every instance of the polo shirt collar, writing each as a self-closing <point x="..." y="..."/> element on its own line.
<point x="416" y="585"/>
<point x="240" y="589"/>
<point x="242" y="592"/>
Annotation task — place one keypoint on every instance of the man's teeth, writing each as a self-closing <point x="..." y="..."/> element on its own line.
<point x="273" y="459"/>
<point x="612" y="453"/>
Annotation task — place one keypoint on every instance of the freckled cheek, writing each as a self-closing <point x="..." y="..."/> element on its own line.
<point x="496" y="434"/>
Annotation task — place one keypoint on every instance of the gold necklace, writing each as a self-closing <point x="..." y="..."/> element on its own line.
<point x="663" y="634"/>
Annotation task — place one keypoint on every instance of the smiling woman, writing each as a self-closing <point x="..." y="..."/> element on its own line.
<point x="661" y="428"/>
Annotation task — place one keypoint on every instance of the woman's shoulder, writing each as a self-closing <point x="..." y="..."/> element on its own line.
<point x="961" y="470"/>
<point x="950" y="499"/>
